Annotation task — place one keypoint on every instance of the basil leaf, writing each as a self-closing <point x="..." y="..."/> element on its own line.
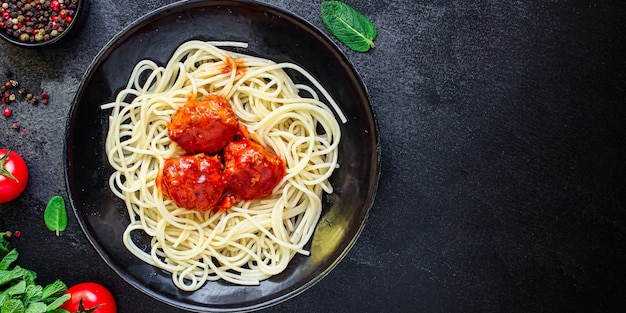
<point x="348" y="25"/>
<point x="55" y="215"/>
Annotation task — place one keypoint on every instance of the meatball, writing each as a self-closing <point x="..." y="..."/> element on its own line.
<point x="205" y="125"/>
<point x="253" y="171"/>
<point x="195" y="182"/>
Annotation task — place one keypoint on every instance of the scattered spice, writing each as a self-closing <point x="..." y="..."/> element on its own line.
<point x="36" y="20"/>
<point x="11" y="89"/>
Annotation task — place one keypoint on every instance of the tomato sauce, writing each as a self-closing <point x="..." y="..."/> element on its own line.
<point x="221" y="164"/>
<point x="236" y="64"/>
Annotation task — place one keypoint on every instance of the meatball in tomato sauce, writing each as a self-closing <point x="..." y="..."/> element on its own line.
<point x="253" y="171"/>
<point x="195" y="182"/>
<point x="205" y="125"/>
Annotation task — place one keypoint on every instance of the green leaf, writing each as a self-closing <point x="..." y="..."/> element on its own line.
<point x="58" y="302"/>
<point x="29" y="277"/>
<point x="36" y="307"/>
<point x="55" y="215"/>
<point x="348" y="25"/>
<point x="33" y="293"/>
<point x="16" y="289"/>
<point x="5" y="246"/>
<point x="8" y="259"/>
<point x="8" y="276"/>
<point x="12" y="306"/>
<point x="56" y="289"/>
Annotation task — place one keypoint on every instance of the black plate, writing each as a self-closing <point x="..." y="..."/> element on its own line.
<point x="271" y="33"/>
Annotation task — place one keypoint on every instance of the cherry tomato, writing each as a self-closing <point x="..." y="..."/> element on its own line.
<point x="13" y="175"/>
<point x="92" y="295"/>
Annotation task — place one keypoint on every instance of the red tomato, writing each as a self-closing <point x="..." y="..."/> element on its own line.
<point x="13" y="175"/>
<point x="92" y="295"/>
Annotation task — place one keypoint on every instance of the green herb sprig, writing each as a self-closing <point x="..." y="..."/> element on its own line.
<point x="348" y="25"/>
<point x="18" y="291"/>
<point x="55" y="215"/>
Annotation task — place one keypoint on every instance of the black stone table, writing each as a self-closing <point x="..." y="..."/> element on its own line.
<point x="503" y="184"/>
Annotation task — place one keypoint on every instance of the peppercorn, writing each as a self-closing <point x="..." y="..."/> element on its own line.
<point x="44" y="101"/>
<point x="12" y="97"/>
<point x="33" y="101"/>
<point x="15" y="126"/>
<point x="7" y="112"/>
<point x="29" y="96"/>
<point x="13" y="83"/>
<point x="21" y="91"/>
<point x="28" y="17"/>
<point x="44" y="95"/>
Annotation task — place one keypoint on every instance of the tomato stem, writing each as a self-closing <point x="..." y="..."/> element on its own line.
<point x="3" y="170"/>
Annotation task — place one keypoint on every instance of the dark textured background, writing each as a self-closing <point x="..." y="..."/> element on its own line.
<point x="503" y="182"/>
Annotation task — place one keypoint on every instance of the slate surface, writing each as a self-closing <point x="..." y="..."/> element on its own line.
<point x="503" y="173"/>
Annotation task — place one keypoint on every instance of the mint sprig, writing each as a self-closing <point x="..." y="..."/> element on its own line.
<point x="18" y="291"/>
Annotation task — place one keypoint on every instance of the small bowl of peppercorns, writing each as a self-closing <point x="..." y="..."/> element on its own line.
<point x="39" y="23"/>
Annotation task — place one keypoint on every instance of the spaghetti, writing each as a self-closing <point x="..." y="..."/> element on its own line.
<point x="254" y="239"/>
